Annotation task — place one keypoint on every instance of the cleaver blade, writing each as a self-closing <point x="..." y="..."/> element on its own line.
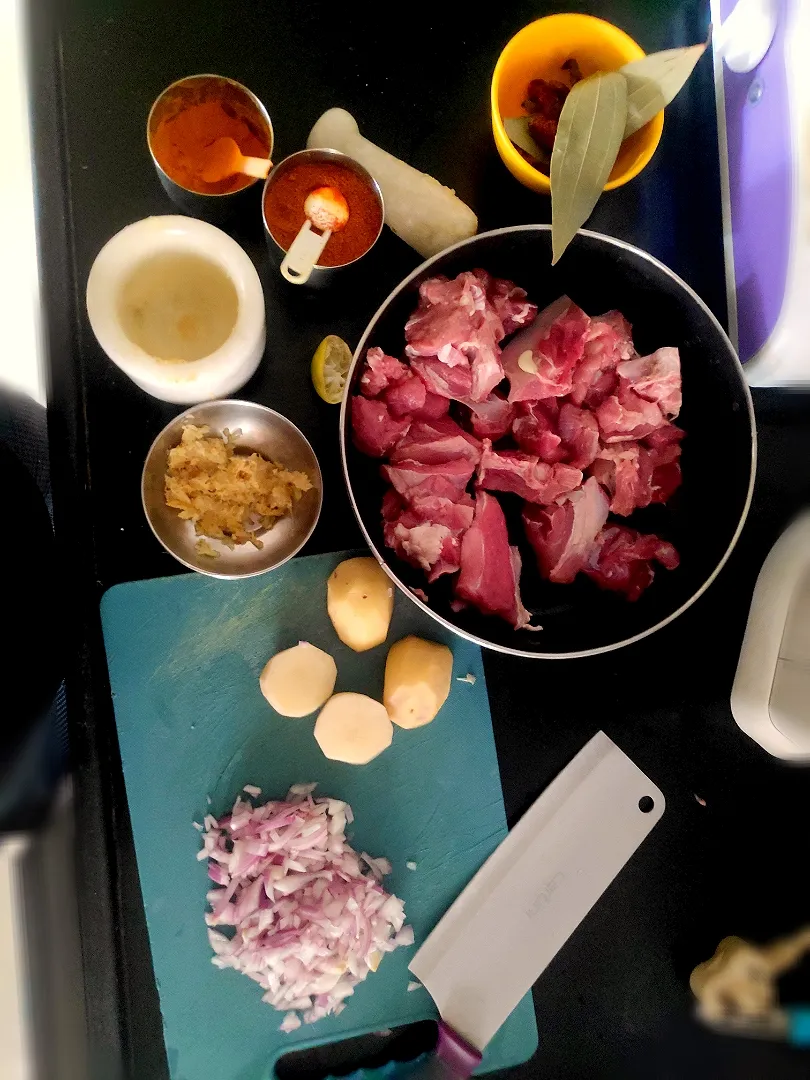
<point x="532" y="893"/>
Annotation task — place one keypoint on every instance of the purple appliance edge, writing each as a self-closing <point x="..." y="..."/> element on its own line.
<point x="758" y="196"/>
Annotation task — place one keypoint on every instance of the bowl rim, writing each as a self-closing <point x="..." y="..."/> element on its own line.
<point x="343" y="434"/>
<point x="253" y="405"/>
<point x="322" y="153"/>
<point x="655" y="126"/>
<point x="255" y="101"/>
<point x="157" y="235"/>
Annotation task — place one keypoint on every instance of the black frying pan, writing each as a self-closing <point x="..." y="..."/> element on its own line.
<point x="704" y="517"/>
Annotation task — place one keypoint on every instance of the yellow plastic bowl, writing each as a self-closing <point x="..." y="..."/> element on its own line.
<point x="538" y="51"/>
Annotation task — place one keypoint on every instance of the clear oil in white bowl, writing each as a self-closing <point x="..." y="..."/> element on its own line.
<point x="178" y="306"/>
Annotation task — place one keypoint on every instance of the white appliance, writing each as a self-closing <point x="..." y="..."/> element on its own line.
<point x="770" y="699"/>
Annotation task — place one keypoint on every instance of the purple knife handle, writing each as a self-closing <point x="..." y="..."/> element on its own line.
<point x="460" y="1060"/>
<point x="453" y="1059"/>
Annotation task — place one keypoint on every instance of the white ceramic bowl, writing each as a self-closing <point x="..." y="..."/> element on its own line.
<point x="214" y="376"/>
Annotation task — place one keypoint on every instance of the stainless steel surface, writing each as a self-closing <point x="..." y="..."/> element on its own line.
<point x="382" y="557"/>
<point x="262" y="430"/>
<point x="321" y="275"/>
<point x="212" y="207"/>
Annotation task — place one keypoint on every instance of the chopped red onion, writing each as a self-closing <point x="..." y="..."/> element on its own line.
<point x="305" y="921"/>
<point x="405" y="936"/>
<point x="378" y="867"/>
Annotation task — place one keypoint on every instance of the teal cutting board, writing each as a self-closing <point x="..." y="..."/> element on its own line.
<point x="184" y="658"/>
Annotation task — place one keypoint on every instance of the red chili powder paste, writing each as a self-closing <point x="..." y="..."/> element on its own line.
<point x="181" y="140"/>
<point x="284" y="209"/>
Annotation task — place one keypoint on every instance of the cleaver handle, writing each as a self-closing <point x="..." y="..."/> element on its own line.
<point x="453" y="1058"/>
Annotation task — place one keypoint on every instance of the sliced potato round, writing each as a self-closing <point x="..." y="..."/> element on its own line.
<point x="299" y="680"/>
<point x="353" y="728"/>
<point x="360" y="601"/>
<point x="417" y="680"/>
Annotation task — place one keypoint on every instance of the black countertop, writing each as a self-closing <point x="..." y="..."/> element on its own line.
<point x="615" y="1001"/>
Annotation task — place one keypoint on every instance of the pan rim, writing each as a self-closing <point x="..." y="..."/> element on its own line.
<point x="483" y="642"/>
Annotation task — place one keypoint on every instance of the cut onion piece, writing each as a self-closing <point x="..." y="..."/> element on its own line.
<point x="303" y="918"/>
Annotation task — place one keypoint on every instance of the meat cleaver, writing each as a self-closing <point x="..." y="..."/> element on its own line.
<point x="529" y="897"/>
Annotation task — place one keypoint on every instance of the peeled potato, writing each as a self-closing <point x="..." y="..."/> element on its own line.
<point x="360" y="601"/>
<point x="299" y="680"/>
<point x="353" y="728"/>
<point x="417" y="681"/>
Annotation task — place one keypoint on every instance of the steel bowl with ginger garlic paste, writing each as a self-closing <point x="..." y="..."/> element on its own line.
<point x="278" y="450"/>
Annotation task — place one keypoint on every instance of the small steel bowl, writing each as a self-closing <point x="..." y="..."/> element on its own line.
<point x="321" y="275"/>
<point x="195" y="89"/>
<point x="264" y="431"/>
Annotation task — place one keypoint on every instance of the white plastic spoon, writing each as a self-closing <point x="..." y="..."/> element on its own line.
<point x="223" y="158"/>
<point x="328" y="212"/>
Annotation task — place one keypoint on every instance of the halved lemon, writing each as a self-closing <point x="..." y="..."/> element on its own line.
<point x="330" y="366"/>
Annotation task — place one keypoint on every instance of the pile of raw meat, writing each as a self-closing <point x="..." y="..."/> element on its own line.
<point x="584" y="431"/>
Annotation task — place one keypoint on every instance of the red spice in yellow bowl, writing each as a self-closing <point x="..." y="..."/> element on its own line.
<point x="540" y="51"/>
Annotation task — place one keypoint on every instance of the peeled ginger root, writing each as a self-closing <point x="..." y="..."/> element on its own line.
<point x="360" y="602"/>
<point x="417" y="681"/>
<point x="299" y="680"/>
<point x="353" y="728"/>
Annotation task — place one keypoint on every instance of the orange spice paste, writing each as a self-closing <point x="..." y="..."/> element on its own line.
<point x="284" y="209"/>
<point x="180" y="141"/>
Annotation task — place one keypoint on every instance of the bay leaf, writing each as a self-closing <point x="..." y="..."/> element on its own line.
<point x="589" y="136"/>
<point x="517" y="128"/>
<point x="653" y="82"/>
